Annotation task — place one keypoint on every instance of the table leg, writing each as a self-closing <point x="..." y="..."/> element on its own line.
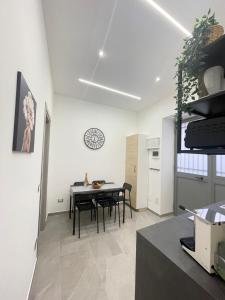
<point x="97" y="217"/>
<point x="70" y="206"/>
<point x="119" y="212"/>
<point x="74" y="218"/>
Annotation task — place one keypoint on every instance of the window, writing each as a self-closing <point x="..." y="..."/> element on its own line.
<point x="220" y="165"/>
<point x="192" y="163"/>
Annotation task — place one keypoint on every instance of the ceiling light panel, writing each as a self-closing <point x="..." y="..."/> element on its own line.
<point x="101" y="53"/>
<point x="169" y="17"/>
<point x="97" y="85"/>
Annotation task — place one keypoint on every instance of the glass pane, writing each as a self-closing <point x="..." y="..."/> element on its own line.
<point x="191" y="163"/>
<point x="220" y="165"/>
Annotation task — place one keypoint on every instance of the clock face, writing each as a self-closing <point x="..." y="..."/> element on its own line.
<point x="94" y="138"/>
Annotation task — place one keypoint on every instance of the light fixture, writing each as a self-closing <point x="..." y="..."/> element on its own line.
<point x="101" y="53"/>
<point x="108" y="88"/>
<point x="157" y="79"/>
<point x="169" y="17"/>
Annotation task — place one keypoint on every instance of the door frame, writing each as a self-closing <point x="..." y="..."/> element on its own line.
<point x="216" y="180"/>
<point x="206" y="179"/>
<point x="211" y="178"/>
<point x="44" y="171"/>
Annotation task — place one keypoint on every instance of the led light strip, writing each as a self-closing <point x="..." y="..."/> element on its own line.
<point x="169" y="17"/>
<point x="108" y="88"/>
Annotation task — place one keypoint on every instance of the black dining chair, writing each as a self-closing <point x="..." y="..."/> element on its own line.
<point x="79" y="183"/>
<point x="76" y="183"/>
<point x="107" y="200"/>
<point x="101" y="194"/>
<point x="125" y="197"/>
<point x="104" y="195"/>
<point x="83" y="203"/>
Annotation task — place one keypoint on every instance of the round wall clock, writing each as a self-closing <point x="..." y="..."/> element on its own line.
<point x="94" y="138"/>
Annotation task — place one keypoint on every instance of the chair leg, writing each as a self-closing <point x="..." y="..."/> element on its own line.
<point x="74" y="221"/>
<point x="103" y="212"/>
<point x="74" y="217"/>
<point x="79" y="221"/>
<point x="95" y="213"/>
<point x="130" y="210"/>
<point x="119" y="212"/>
<point x="97" y="218"/>
<point x="91" y="214"/>
<point x="123" y="210"/>
<point x="115" y="215"/>
<point x="70" y="207"/>
<point x="72" y="201"/>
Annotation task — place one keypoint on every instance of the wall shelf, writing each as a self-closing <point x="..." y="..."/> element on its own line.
<point x="211" y="106"/>
<point x="215" y="53"/>
<point x="215" y="151"/>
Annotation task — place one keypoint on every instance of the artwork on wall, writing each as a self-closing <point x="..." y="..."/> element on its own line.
<point x="94" y="138"/>
<point x="25" y="117"/>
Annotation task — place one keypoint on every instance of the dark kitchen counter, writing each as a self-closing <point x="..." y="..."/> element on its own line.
<point x="165" y="271"/>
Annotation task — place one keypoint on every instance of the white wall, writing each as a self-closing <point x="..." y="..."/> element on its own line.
<point x="70" y="158"/>
<point x="24" y="48"/>
<point x="150" y="122"/>
<point x="167" y="165"/>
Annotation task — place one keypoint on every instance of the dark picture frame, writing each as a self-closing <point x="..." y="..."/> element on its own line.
<point x="25" y="117"/>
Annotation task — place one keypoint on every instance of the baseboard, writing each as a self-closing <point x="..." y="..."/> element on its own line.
<point x="158" y="215"/>
<point x="28" y="295"/>
<point x="58" y="213"/>
<point x="140" y="209"/>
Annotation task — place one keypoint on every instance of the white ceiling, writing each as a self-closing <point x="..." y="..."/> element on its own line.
<point x="140" y="44"/>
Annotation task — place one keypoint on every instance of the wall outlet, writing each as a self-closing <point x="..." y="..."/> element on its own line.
<point x="60" y="200"/>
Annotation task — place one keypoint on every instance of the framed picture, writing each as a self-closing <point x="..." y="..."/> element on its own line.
<point x="25" y="117"/>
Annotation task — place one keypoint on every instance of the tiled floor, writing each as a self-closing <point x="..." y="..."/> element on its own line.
<point x="95" y="267"/>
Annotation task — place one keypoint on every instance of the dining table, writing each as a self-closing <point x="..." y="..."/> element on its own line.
<point x="89" y="190"/>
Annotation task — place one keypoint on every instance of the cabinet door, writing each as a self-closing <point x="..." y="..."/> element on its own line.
<point x="131" y="165"/>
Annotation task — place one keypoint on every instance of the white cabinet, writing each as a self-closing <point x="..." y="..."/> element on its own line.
<point x="161" y="172"/>
<point x="154" y="183"/>
<point x="136" y="172"/>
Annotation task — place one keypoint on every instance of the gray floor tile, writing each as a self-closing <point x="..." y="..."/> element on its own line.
<point x="95" y="267"/>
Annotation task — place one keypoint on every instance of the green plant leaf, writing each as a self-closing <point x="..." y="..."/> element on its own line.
<point x="191" y="62"/>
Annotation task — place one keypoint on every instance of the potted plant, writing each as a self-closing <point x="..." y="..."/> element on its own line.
<point x="192" y="59"/>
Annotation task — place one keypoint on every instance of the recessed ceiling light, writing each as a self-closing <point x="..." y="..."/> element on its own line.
<point x="157" y="79"/>
<point x="108" y="88"/>
<point x="169" y="17"/>
<point x="101" y="53"/>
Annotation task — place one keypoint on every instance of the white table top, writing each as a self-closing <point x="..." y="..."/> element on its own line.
<point x="88" y="189"/>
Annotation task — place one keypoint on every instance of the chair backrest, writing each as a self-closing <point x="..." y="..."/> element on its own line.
<point x="82" y="198"/>
<point x="78" y="183"/>
<point x="127" y="186"/>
